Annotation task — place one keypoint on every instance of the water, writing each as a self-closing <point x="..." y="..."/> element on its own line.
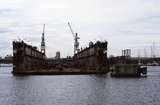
<point x="79" y="89"/>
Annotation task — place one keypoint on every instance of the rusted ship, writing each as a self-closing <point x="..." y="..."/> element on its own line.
<point x="91" y="60"/>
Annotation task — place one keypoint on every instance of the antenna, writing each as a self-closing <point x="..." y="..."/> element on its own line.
<point x="157" y="53"/>
<point x="154" y="49"/>
<point x="145" y="53"/>
<point x="151" y="51"/>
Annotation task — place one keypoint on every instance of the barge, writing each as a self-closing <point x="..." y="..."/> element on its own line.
<point x="128" y="70"/>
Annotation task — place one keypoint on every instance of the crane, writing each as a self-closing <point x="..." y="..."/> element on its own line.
<point x="43" y="41"/>
<point x="75" y="37"/>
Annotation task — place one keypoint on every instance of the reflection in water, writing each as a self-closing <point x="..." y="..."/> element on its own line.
<point x="79" y="89"/>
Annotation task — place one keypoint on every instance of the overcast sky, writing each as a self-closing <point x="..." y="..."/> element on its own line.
<point x="133" y="24"/>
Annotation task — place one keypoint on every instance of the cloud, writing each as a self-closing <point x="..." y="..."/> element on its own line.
<point x="4" y="30"/>
<point x="124" y="23"/>
<point x="5" y="12"/>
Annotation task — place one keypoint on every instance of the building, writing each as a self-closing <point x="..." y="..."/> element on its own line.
<point x="8" y="57"/>
<point x="126" y="53"/>
<point x="57" y="55"/>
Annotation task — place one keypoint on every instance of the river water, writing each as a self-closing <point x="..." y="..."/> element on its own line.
<point x="79" y="89"/>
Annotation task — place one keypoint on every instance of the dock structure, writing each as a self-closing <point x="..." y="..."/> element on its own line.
<point x="93" y="57"/>
<point x="26" y="57"/>
<point x="27" y="60"/>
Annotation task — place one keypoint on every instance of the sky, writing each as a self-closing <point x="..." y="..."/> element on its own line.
<point x="133" y="24"/>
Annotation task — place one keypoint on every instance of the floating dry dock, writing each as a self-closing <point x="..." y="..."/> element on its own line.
<point x="28" y="60"/>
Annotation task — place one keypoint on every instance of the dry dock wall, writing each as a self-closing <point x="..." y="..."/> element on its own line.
<point x="26" y="57"/>
<point x="94" y="57"/>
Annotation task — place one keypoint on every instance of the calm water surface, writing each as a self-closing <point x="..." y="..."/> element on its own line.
<point x="79" y="89"/>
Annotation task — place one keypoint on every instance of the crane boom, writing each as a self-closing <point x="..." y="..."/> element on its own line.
<point x="71" y="30"/>
<point x="75" y="37"/>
